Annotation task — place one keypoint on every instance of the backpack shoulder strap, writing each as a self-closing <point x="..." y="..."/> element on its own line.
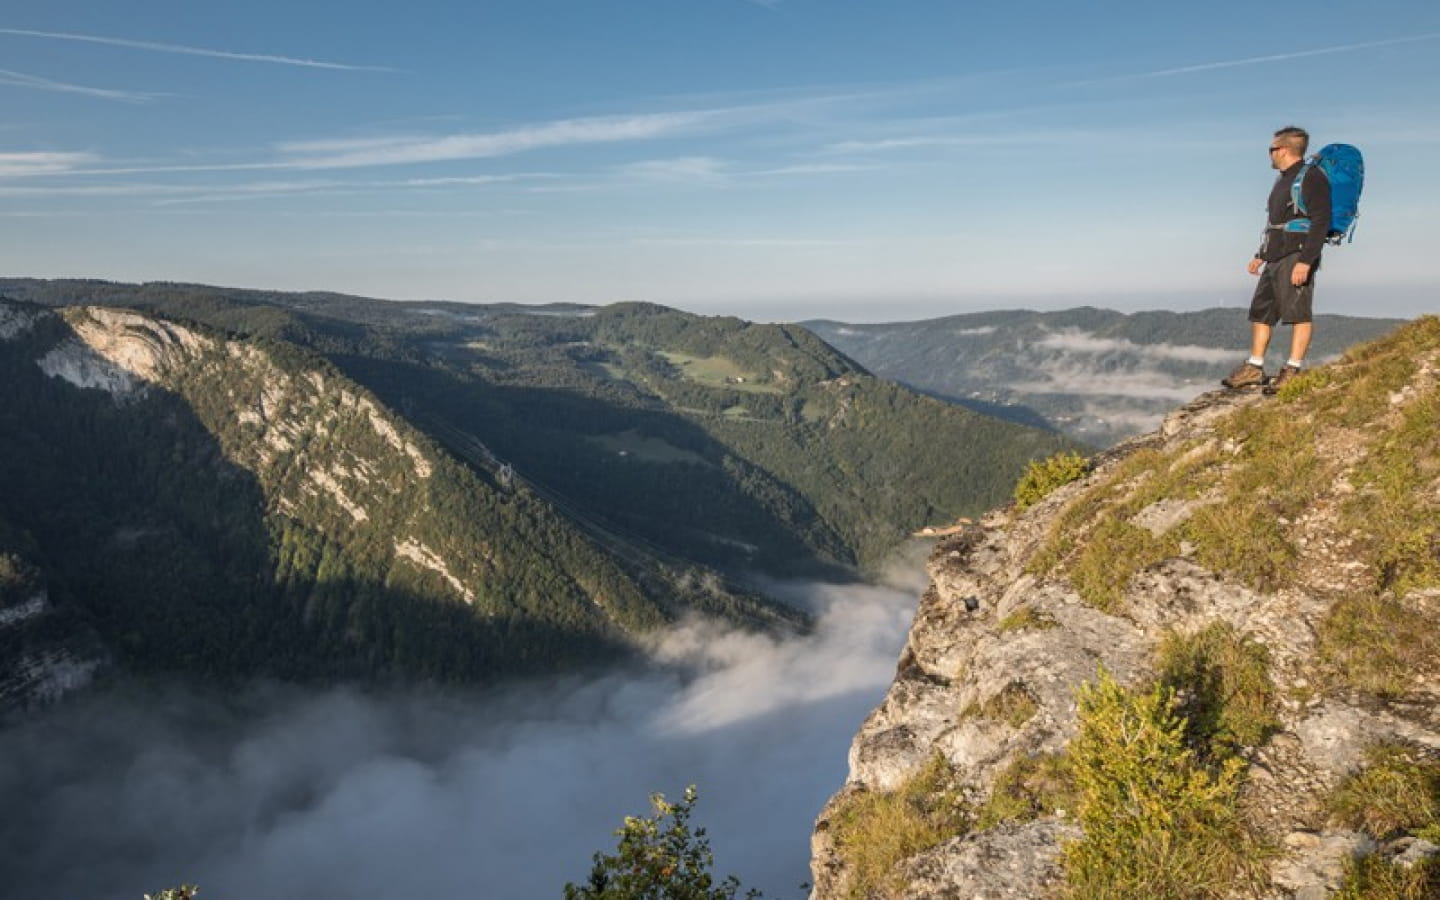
<point x="1297" y="202"/>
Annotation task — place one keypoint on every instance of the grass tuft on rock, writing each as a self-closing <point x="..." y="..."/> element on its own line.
<point x="1027" y="618"/>
<point x="1393" y="509"/>
<point x="1396" y="792"/>
<point x="1222" y="684"/>
<point x="1372" y="878"/>
<point x="1030" y="788"/>
<point x="1014" y="705"/>
<point x="1377" y="645"/>
<point x="875" y="831"/>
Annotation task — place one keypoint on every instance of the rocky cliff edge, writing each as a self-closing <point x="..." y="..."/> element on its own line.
<point x="1269" y="568"/>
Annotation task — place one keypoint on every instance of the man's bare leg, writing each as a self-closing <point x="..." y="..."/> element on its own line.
<point x="1300" y="340"/>
<point x="1260" y="338"/>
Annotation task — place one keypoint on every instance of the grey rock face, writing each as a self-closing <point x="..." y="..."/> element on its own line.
<point x="1009" y="861"/>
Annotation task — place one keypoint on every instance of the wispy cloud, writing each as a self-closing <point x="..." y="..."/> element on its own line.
<point x="35" y="82"/>
<point x="1076" y="341"/>
<point x="685" y="168"/>
<point x="44" y="163"/>
<point x="94" y="190"/>
<point x="1270" y="58"/>
<point x="347" y="153"/>
<point x="341" y="154"/>
<point x="265" y="189"/>
<point x="926" y="141"/>
<point x="179" y="194"/>
<point x="708" y="169"/>
<point x="811" y="169"/>
<point x="188" y="167"/>
<point x="761" y="242"/>
<point x="191" y="51"/>
<point x="1139" y="384"/>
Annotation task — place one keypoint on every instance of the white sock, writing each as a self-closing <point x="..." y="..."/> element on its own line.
<point x="1257" y="361"/>
<point x="1295" y="363"/>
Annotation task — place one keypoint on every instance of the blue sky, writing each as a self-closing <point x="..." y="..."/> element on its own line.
<point x="775" y="160"/>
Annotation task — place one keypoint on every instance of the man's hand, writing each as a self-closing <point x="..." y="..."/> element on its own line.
<point x="1300" y="274"/>
<point x="1255" y="264"/>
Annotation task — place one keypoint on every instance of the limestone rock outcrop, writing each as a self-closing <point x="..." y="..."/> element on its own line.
<point x="1153" y="542"/>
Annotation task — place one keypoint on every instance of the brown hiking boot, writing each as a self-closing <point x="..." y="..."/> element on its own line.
<point x="1276" y="383"/>
<point x="1245" y="375"/>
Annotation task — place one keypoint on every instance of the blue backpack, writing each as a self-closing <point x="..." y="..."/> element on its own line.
<point x="1344" y="167"/>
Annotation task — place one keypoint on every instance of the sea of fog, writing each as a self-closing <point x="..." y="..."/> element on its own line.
<point x="274" y="792"/>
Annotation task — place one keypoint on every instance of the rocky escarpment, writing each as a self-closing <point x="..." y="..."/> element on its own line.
<point x="1303" y="529"/>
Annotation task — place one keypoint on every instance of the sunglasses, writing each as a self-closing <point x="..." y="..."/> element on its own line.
<point x="1273" y="149"/>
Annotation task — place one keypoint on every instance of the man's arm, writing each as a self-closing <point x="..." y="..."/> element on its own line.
<point x="1315" y="191"/>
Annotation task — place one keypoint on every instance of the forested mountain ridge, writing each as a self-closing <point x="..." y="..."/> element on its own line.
<point x="239" y="506"/>
<point x="739" y="445"/>
<point x="1095" y="374"/>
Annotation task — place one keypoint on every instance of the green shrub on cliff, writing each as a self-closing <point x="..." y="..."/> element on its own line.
<point x="1158" y="822"/>
<point x="1043" y="476"/>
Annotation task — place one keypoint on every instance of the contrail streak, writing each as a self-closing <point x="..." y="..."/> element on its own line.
<point x="1258" y="60"/>
<point x="1281" y="57"/>
<point x="192" y="51"/>
<point x="35" y="82"/>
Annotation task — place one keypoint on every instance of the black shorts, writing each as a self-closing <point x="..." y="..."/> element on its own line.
<point x="1276" y="299"/>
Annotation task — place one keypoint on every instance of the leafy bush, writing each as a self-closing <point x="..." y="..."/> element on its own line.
<point x="1043" y="476"/>
<point x="1158" y="822"/>
<point x="184" y="892"/>
<point x="659" y="858"/>
<point x="874" y="831"/>
<point x="1398" y="790"/>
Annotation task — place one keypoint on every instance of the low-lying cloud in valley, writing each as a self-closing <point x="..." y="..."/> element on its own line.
<point x="343" y="794"/>
<point x="1077" y="341"/>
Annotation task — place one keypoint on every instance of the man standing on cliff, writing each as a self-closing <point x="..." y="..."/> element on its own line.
<point x="1286" y="262"/>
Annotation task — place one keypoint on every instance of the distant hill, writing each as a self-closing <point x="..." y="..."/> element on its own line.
<point x="313" y="486"/>
<point x="233" y="507"/>
<point x="713" y="439"/>
<point x="1097" y="375"/>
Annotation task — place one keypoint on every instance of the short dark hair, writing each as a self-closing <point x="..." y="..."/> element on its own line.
<point x="1294" y="137"/>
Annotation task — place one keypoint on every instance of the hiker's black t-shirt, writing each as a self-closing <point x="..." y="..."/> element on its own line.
<point x="1315" y="192"/>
